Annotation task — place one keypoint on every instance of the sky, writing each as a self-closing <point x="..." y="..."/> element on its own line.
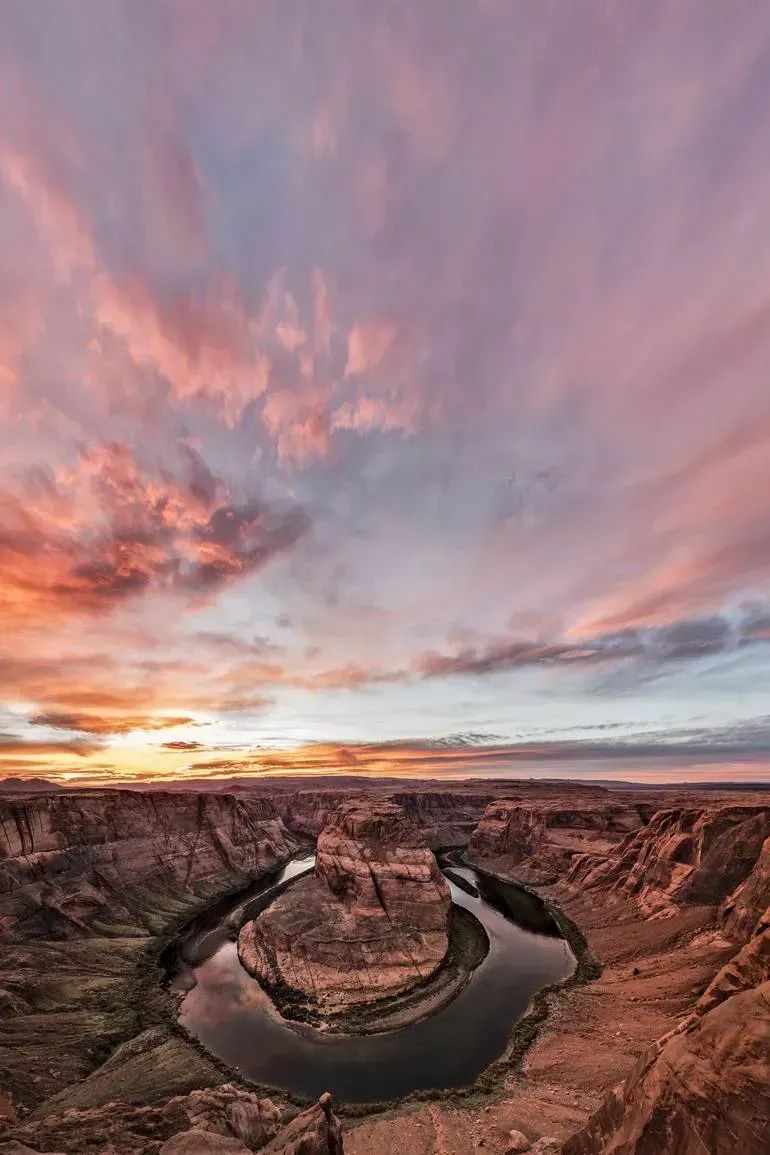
<point x="384" y="388"/>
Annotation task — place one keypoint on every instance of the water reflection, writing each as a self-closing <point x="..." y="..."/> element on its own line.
<point x="231" y="1015"/>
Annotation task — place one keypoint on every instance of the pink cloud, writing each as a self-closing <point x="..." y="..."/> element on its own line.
<point x="368" y="345"/>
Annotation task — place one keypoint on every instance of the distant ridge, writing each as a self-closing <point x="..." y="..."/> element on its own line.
<point x="289" y="783"/>
<point x="28" y="786"/>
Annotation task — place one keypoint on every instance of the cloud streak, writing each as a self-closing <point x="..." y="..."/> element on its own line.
<point x="351" y="387"/>
<point x="648" y="649"/>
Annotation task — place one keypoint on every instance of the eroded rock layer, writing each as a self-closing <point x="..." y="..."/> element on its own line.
<point x="704" y="872"/>
<point x="683" y="856"/>
<point x="205" y="1122"/>
<point x="543" y="839"/>
<point x="672" y="892"/>
<point x="371" y="922"/>
<point x="704" y="1086"/>
<point x="89" y="883"/>
<point x="74" y="862"/>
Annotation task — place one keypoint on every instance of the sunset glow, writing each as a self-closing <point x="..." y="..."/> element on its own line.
<point x="385" y="402"/>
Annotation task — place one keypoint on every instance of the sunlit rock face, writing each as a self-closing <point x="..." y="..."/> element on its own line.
<point x="687" y="855"/>
<point x="370" y="923"/>
<point x="705" y="1086"/>
<point x="71" y="861"/>
<point x="541" y="841"/>
<point x="508" y="829"/>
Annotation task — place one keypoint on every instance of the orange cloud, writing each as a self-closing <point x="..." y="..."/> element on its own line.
<point x="298" y="424"/>
<point x="86" y="540"/>
<point x="21" y="746"/>
<point x="109" y="724"/>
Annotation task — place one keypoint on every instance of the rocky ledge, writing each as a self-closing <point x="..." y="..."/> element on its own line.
<point x="371" y="923"/>
<point x="677" y="910"/>
<point x="91" y="885"/>
<point x="206" y="1122"/>
<point x="542" y="840"/>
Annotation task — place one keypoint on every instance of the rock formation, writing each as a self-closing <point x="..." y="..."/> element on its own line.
<point x="371" y="922"/>
<point x="683" y="856"/>
<point x="316" y="1131"/>
<point x="446" y="817"/>
<point x="542" y="840"/>
<point x="88" y="881"/>
<point x="228" y="1120"/>
<point x="72" y="861"/>
<point x="744" y="911"/>
<point x="672" y="892"/>
<point x="509" y="829"/>
<point x="705" y="1086"/>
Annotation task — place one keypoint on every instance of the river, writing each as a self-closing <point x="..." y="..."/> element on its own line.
<point x="227" y="1010"/>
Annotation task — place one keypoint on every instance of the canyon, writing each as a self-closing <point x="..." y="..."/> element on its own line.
<point x="665" y="1049"/>
<point x="371" y="922"/>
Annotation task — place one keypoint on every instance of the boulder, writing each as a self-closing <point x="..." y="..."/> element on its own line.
<point x="316" y="1131"/>
<point x="228" y="1110"/>
<point x="517" y="1142"/>
<point x="203" y="1143"/>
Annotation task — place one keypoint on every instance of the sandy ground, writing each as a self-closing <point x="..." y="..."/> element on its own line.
<point x="653" y="971"/>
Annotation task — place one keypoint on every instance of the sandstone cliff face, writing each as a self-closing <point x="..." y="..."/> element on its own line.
<point x="370" y="923"/>
<point x="447" y="818"/>
<point x="88" y="881"/>
<point x="683" y="856"/>
<point x="747" y="909"/>
<point x="306" y="812"/>
<point x="509" y="829"/>
<point x="704" y="1088"/>
<point x="540" y="842"/>
<point x="706" y="1085"/>
<point x="72" y="862"/>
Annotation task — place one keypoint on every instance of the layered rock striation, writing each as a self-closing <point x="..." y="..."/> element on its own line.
<point x="371" y="922"/>
<point x="705" y="1085"/>
<point x="91" y="882"/>
<point x="542" y="840"/>
<point x="684" y="856"/>
<point x="80" y="862"/>
<point x="703" y="870"/>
